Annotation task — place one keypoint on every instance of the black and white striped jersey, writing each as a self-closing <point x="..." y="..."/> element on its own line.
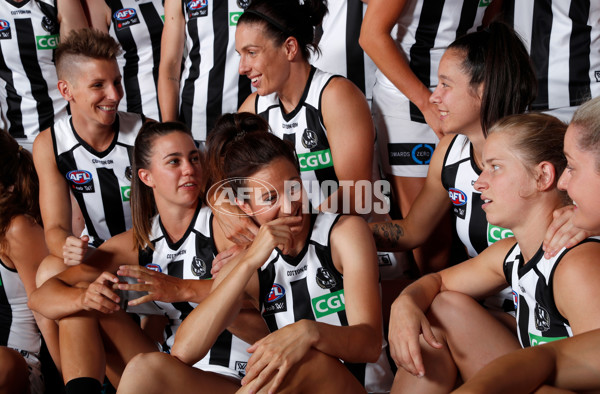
<point x="137" y="26"/>
<point x="338" y="41"/>
<point x="29" y="97"/>
<point x="191" y="258"/>
<point x="18" y="329"/>
<point x="308" y="286"/>
<point x="424" y="31"/>
<point x="210" y="83"/>
<point x="563" y="40"/>
<point x="304" y="128"/>
<point x="538" y="319"/>
<point x="100" y="181"/>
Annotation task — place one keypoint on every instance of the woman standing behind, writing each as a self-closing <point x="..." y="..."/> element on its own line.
<point x="137" y="26"/>
<point x="22" y="248"/>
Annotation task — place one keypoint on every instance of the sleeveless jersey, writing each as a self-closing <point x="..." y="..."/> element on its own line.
<point x="100" y="181"/>
<point x="338" y="41"/>
<point x="308" y="286"/>
<point x="538" y="319"/>
<point x="29" y="98"/>
<point x="424" y="31"/>
<point x="137" y="26"/>
<point x="191" y="258"/>
<point x="304" y="128"/>
<point x="18" y="329"/>
<point x="563" y="40"/>
<point x="210" y="82"/>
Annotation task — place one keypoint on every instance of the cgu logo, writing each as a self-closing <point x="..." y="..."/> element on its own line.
<point x="497" y="233"/>
<point x="457" y="196"/>
<point x="4" y="25"/>
<point x="329" y="303"/>
<point x="277" y="291"/>
<point x="197" y="4"/>
<point x="79" y="177"/>
<point x="124" y="14"/>
<point x="315" y="160"/>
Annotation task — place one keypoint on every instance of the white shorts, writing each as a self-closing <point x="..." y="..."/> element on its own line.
<point x="405" y="146"/>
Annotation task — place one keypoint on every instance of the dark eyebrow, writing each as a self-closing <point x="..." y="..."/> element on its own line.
<point x="174" y="154"/>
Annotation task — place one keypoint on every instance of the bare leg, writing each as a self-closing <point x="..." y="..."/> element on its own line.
<point x="162" y="373"/>
<point x="316" y="373"/>
<point x="433" y="255"/>
<point x="472" y="338"/>
<point x="14" y="375"/>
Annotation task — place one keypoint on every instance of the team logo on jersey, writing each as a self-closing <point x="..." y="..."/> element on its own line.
<point x="515" y="299"/>
<point x="125" y="17"/>
<point x="81" y="181"/>
<point x="542" y="318"/>
<point x="309" y="139"/>
<point x="275" y="301"/>
<point x="154" y="267"/>
<point x="240" y="367"/>
<point x="384" y="260"/>
<point x="536" y="340"/>
<point x="46" y="42"/>
<point x="312" y="161"/>
<point x="5" y="30"/>
<point x="197" y="8"/>
<point x="329" y="303"/>
<point x="125" y="193"/>
<point x="324" y="279"/>
<point x="496" y="233"/>
<point x="50" y="25"/>
<point x="128" y="173"/>
<point x="597" y="75"/>
<point x="198" y="267"/>
<point x="243" y="4"/>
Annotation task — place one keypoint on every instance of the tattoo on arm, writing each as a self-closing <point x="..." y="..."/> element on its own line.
<point x="387" y="235"/>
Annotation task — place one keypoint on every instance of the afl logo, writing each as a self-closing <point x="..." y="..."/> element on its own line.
<point x="457" y="197"/>
<point x="4" y="25"/>
<point x="125" y="14"/>
<point x="154" y="267"/>
<point x="79" y="177"/>
<point x="197" y="4"/>
<point x="277" y="291"/>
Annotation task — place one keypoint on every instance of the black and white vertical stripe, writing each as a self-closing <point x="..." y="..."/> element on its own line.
<point x="191" y="258"/>
<point x="210" y="83"/>
<point x="106" y="209"/>
<point x="563" y="40"/>
<point x="141" y="54"/>
<point x="29" y="98"/>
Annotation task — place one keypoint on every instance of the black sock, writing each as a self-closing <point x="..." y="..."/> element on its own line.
<point x="83" y="386"/>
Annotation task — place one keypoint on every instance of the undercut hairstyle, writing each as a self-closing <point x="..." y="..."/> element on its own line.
<point x="143" y="205"/>
<point x="288" y="18"/>
<point x="497" y="58"/>
<point x="84" y="43"/>
<point x="239" y="146"/>
<point x="536" y="138"/>
<point x="19" y="185"/>
<point x="587" y="121"/>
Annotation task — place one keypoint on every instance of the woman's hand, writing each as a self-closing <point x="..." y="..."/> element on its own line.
<point x="225" y="257"/>
<point x="562" y="233"/>
<point x="75" y="249"/>
<point x="407" y="323"/>
<point x="277" y="353"/>
<point x="236" y="226"/>
<point x="100" y="296"/>
<point x="160" y="287"/>
<point x="275" y="234"/>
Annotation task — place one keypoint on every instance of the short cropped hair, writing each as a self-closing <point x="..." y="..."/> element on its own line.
<point x="86" y="43"/>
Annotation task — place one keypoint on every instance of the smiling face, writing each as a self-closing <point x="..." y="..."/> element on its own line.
<point x="275" y="191"/>
<point x="174" y="170"/>
<point x="581" y="180"/>
<point x="458" y="103"/>
<point x="94" y="91"/>
<point x="505" y="182"/>
<point x="261" y="60"/>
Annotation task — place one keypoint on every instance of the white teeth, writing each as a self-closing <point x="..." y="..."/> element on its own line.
<point x="105" y="108"/>
<point x="486" y="201"/>
<point x="254" y="79"/>
<point x="444" y="113"/>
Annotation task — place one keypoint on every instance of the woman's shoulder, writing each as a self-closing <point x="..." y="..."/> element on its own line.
<point x="22" y="227"/>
